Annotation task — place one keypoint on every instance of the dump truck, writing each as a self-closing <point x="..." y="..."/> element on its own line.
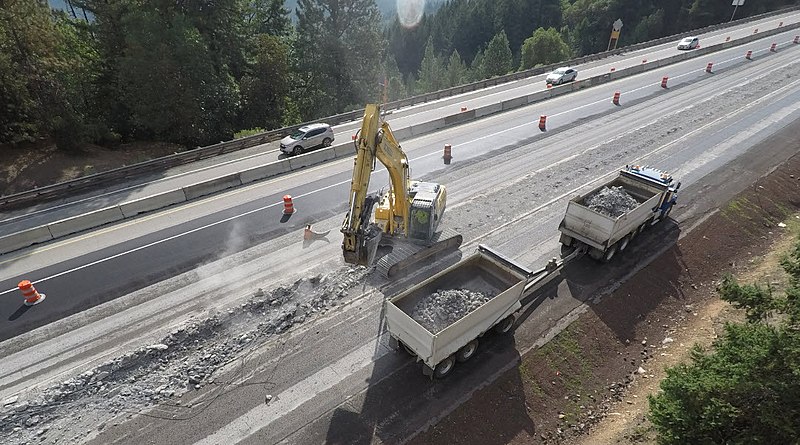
<point x="605" y="235"/>
<point x="503" y="282"/>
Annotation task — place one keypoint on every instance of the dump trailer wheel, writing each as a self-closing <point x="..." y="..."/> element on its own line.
<point x="505" y="325"/>
<point x="466" y="352"/>
<point x="623" y="243"/>
<point x="444" y="367"/>
<point x="408" y="350"/>
<point x="610" y="253"/>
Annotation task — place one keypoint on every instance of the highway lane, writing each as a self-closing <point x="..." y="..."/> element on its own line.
<point x="96" y="267"/>
<point x="382" y="394"/>
<point x="232" y="163"/>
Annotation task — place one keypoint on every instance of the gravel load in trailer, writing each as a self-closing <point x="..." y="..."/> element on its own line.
<point x="612" y="201"/>
<point x="440" y="319"/>
<point x="445" y="307"/>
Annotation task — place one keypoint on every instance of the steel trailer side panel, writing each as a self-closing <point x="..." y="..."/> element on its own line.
<point x="405" y="329"/>
<point x="479" y="272"/>
<point x="454" y="337"/>
<point x="589" y="226"/>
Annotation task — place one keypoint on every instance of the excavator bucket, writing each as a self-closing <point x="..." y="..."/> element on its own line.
<point x="408" y="256"/>
<point x="367" y="249"/>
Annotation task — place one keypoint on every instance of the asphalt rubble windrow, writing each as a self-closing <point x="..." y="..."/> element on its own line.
<point x="187" y="359"/>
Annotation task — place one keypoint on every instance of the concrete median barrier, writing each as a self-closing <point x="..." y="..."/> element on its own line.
<point x="312" y="158"/>
<point x="150" y="203"/>
<point x="400" y="134"/>
<point x="455" y="119"/>
<point x="348" y="150"/>
<point x="427" y="127"/>
<point x="514" y="103"/>
<point x="488" y="110"/>
<point x="265" y="171"/>
<point x="25" y="238"/>
<point x="215" y="185"/>
<point x="86" y="221"/>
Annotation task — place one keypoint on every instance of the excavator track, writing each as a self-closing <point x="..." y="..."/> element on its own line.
<point x="406" y="255"/>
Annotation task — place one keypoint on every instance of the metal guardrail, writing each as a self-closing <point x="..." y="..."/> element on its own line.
<point x="97" y="180"/>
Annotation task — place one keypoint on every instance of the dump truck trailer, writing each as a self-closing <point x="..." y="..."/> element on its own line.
<point x="487" y="272"/>
<point x="603" y="235"/>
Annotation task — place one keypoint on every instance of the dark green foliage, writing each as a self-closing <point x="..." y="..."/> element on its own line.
<point x="497" y="58"/>
<point x="194" y="72"/>
<point x="544" y="47"/>
<point x="747" y="389"/>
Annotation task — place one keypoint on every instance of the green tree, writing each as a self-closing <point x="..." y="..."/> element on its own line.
<point x="432" y="75"/>
<point x="457" y="73"/>
<point x="476" y="67"/>
<point x="265" y="86"/>
<point x="747" y="389"/>
<point x="170" y="82"/>
<point x="338" y="51"/>
<point x="497" y="59"/>
<point x="267" y="17"/>
<point x="544" y="47"/>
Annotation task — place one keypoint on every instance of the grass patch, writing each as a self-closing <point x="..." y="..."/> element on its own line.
<point x="244" y="133"/>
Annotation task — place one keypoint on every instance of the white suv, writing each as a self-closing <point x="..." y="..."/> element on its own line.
<point x="306" y="138"/>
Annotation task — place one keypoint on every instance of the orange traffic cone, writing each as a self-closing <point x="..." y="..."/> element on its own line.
<point x="29" y="293"/>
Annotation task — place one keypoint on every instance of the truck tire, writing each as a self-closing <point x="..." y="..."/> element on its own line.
<point x="408" y="350"/>
<point x="467" y="351"/>
<point x="505" y="325"/>
<point x="623" y="243"/>
<point x="444" y="367"/>
<point x="610" y="253"/>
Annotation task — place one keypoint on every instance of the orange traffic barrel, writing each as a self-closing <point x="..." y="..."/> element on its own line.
<point x="448" y="154"/>
<point x="728" y="39"/>
<point x="463" y="108"/>
<point x="708" y="67"/>
<point x="664" y="81"/>
<point x="780" y="24"/>
<point x="542" y="122"/>
<point x="615" y="100"/>
<point x="774" y="47"/>
<point x="288" y="205"/>
<point x="796" y="39"/>
<point x="612" y="69"/>
<point x="749" y="55"/>
<point x="755" y="30"/>
<point x="644" y="60"/>
<point x="29" y="293"/>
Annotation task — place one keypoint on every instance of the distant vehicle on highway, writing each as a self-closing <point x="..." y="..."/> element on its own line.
<point x="306" y="138"/>
<point x="689" y="43"/>
<point x="561" y="75"/>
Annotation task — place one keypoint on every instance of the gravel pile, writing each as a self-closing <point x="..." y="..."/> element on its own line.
<point x="613" y="201"/>
<point x="444" y="307"/>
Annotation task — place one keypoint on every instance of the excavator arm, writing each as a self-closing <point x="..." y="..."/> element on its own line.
<point x="375" y="141"/>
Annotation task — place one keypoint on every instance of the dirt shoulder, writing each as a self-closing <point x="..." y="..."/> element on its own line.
<point x="590" y="383"/>
<point x="28" y="166"/>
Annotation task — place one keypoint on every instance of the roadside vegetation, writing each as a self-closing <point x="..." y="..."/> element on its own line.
<point x="195" y="73"/>
<point x="745" y="388"/>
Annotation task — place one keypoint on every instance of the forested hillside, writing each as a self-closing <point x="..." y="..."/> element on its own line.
<point x="199" y="72"/>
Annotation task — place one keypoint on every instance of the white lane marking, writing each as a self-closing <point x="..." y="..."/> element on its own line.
<point x="136" y="249"/>
<point x="295" y="396"/>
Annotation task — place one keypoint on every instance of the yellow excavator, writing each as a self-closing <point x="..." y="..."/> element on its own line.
<point x="406" y="216"/>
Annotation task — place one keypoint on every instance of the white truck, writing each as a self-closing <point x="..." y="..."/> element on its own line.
<point x="486" y="271"/>
<point x="604" y="236"/>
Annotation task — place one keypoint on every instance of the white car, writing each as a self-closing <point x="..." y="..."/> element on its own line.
<point x="561" y="75"/>
<point x="689" y="43"/>
<point x="307" y="137"/>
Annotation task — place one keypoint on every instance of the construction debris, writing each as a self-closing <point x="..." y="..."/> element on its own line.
<point x="612" y="201"/>
<point x="444" y="307"/>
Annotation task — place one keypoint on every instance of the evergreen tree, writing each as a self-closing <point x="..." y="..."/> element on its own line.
<point x="497" y="59"/>
<point x="339" y="49"/>
<point x="432" y="75"/>
<point x="457" y="73"/>
<point x="746" y="390"/>
<point x="264" y="89"/>
<point x="544" y="47"/>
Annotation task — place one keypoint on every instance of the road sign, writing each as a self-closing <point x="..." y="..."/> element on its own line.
<point x="737" y="3"/>
<point x="617" y="25"/>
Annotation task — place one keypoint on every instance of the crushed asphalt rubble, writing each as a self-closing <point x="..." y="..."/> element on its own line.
<point x="158" y="374"/>
<point x="612" y="201"/>
<point x="444" y="307"/>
